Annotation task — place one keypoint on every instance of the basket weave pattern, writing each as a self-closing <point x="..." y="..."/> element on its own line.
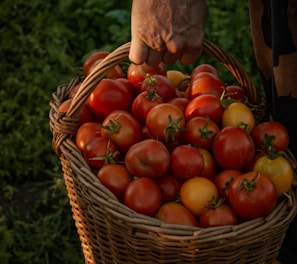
<point x="112" y="233"/>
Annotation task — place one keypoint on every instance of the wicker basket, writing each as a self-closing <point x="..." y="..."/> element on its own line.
<point x="112" y="233"/>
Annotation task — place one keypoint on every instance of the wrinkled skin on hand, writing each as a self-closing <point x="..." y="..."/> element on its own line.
<point x="167" y="30"/>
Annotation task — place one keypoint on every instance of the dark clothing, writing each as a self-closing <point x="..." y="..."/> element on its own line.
<point x="274" y="31"/>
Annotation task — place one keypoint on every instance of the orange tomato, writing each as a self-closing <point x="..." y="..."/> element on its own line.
<point x="196" y="193"/>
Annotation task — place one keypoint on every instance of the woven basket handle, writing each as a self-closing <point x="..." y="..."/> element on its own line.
<point x="122" y="53"/>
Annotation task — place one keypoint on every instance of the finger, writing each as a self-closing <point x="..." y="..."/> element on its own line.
<point x="190" y="57"/>
<point x="169" y="58"/>
<point x="154" y="57"/>
<point x="138" y="51"/>
<point x="174" y="45"/>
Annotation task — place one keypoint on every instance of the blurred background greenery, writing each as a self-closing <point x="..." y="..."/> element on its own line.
<point x="42" y="45"/>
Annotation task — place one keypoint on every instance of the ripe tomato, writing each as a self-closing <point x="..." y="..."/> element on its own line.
<point x="122" y="129"/>
<point x="109" y="95"/>
<point x="177" y="77"/>
<point x="233" y="148"/>
<point x="86" y="132"/>
<point x="201" y="131"/>
<point x="252" y="195"/>
<point x="206" y="105"/>
<point x="176" y="213"/>
<point x="238" y="114"/>
<point x="206" y="83"/>
<point x="180" y="102"/>
<point x="218" y="214"/>
<point x="223" y="180"/>
<point x="84" y="116"/>
<point x="133" y="91"/>
<point x="147" y="158"/>
<point x="143" y="103"/>
<point x="210" y="167"/>
<point x="235" y="92"/>
<point x="270" y="133"/>
<point x="136" y="73"/>
<point x="94" y="59"/>
<point x="186" y="161"/>
<point x="278" y="169"/>
<point x="196" y="193"/>
<point x="100" y="151"/>
<point x="201" y="68"/>
<point x="74" y="91"/>
<point x="170" y="186"/>
<point x="165" y="122"/>
<point x="161" y="84"/>
<point x="143" y="195"/>
<point x="116" y="178"/>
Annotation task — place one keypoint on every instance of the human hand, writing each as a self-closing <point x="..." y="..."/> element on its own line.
<point x="167" y="31"/>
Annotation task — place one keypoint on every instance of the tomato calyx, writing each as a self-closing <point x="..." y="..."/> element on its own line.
<point x="172" y="128"/>
<point x="267" y="143"/>
<point x="109" y="157"/>
<point x="151" y="94"/>
<point x="248" y="185"/>
<point x="205" y="133"/>
<point x="114" y="126"/>
<point x="214" y="204"/>
<point x="244" y="126"/>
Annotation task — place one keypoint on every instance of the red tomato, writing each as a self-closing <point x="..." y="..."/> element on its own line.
<point x="86" y="132"/>
<point x="201" y="131"/>
<point x="94" y="59"/>
<point x="252" y="195"/>
<point x="109" y="95"/>
<point x="186" y="161"/>
<point x="100" y="151"/>
<point x="148" y="158"/>
<point x="218" y="214"/>
<point x="206" y="105"/>
<point x="206" y="83"/>
<point x="84" y="116"/>
<point x="210" y="167"/>
<point x="235" y="92"/>
<point x="161" y="84"/>
<point x="129" y="86"/>
<point x="74" y="90"/>
<point x="270" y="133"/>
<point x="176" y="213"/>
<point x="143" y="103"/>
<point x="136" y="73"/>
<point x="180" y="102"/>
<point x="143" y="195"/>
<point x="170" y="186"/>
<point x="122" y="129"/>
<point x="223" y="181"/>
<point x="233" y="148"/>
<point x="116" y="178"/>
<point x="91" y="59"/>
<point x="201" y="68"/>
<point x="165" y="122"/>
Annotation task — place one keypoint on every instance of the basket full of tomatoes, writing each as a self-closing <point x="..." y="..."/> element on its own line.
<point x="162" y="166"/>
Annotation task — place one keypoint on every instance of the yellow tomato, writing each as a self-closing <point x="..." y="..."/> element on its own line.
<point x="177" y="77"/>
<point x="196" y="193"/>
<point x="278" y="169"/>
<point x="238" y="114"/>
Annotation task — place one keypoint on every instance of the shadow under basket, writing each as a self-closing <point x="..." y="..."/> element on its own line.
<point x="112" y="233"/>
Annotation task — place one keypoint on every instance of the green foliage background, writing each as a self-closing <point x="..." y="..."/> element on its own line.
<point x="42" y="44"/>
